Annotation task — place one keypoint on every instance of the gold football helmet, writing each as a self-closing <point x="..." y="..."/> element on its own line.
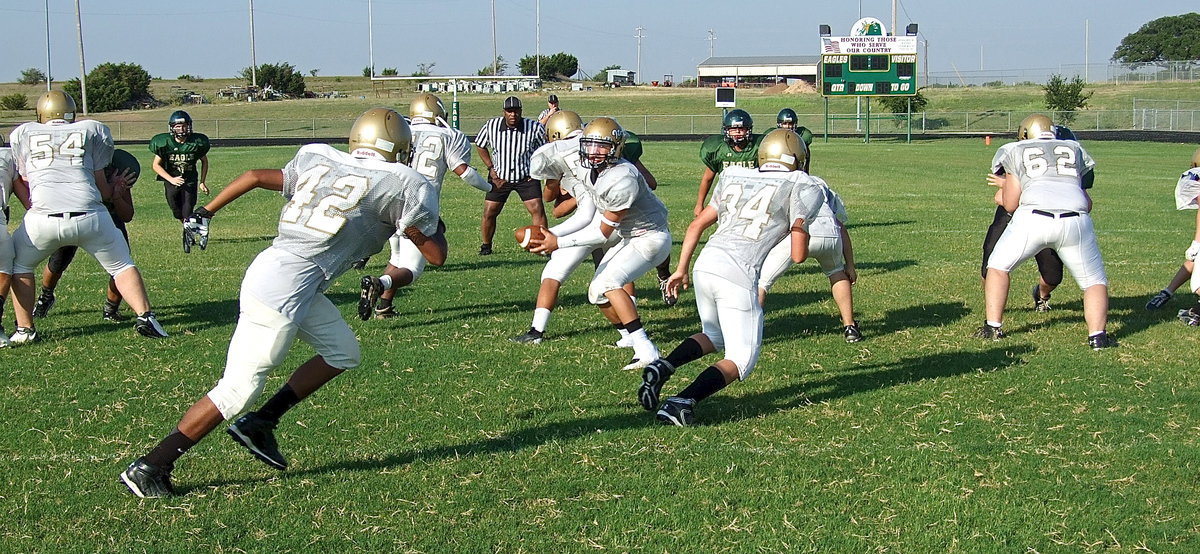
<point x="783" y="147"/>
<point x="55" y="104"/>
<point x="1033" y="126"/>
<point x="428" y="107"/>
<point x="383" y="131"/>
<point x="601" y="144"/>
<point x="560" y="125"/>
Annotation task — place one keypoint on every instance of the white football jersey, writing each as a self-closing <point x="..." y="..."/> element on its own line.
<point x="560" y="160"/>
<point x="343" y="208"/>
<point x="832" y="211"/>
<point x="58" y="160"/>
<point x="1187" y="189"/>
<point x="1050" y="172"/>
<point x="755" y="212"/>
<point x="437" y="149"/>
<point x="621" y="187"/>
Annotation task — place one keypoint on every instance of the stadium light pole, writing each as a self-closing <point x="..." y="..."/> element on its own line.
<point x="495" y="57"/>
<point x="253" y="62"/>
<point x="639" y="36"/>
<point x="48" y="46"/>
<point x="537" y="48"/>
<point x="82" y="66"/>
<point x="371" y="37"/>
<point x="712" y="38"/>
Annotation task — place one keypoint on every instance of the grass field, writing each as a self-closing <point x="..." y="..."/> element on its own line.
<point x="449" y="438"/>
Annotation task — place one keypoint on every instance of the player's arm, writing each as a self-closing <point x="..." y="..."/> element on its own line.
<point x="204" y="173"/>
<point x="800" y="238"/>
<point x="706" y="182"/>
<point x="691" y="239"/>
<point x="270" y="179"/>
<point x="434" y="248"/>
<point x="564" y="205"/>
<point x="122" y="200"/>
<point x="20" y="189"/>
<point x="472" y="177"/>
<point x="1011" y="193"/>
<point x="161" y="171"/>
<point x="582" y="217"/>
<point x="106" y="190"/>
<point x="649" y="177"/>
<point x="592" y="235"/>
<point x="1194" y="249"/>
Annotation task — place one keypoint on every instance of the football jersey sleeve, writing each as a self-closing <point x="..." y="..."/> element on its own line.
<point x="541" y="163"/>
<point x="100" y="151"/>
<point x="807" y="199"/>
<point x="619" y="195"/>
<point x="708" y="153"/>
<point x="458" y="149"/>
<point x="1187" y="189"/>
<point x="202" y="145"/>
<point x="483" y="139"/>
<point x="998" y="160"/>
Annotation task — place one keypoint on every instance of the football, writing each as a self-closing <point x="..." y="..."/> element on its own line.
<point x="526" y="234"/>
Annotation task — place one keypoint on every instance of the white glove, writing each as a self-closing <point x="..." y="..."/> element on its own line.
<point x="1192" y="251"/>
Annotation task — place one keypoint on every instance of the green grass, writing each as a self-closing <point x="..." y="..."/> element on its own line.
<point x="449" y="438"/>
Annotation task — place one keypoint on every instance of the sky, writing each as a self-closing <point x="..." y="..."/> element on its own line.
<point x="211" y="38"/>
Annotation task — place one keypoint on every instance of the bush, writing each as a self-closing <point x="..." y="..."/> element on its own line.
<point x="389" y="72"/>
<point x="190" y="78"/>
<point x="282" y="77"/>
<point x="15" y="101"/>
<point x="113" y="86"/>
<point x="368" y="71"/>
<point x="1065" y="96"/>
<point x="32" y="76"/>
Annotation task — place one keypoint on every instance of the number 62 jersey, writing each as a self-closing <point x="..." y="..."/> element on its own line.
<point x="1050" y="172"/>
<point x="344" y="208"/>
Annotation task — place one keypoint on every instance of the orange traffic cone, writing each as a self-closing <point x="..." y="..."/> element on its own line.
<point x="987" y="140"/>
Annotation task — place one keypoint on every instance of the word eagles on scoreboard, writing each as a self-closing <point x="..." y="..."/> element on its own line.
<point x="869" y="65"/>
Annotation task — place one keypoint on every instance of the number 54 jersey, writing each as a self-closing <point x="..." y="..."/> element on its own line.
<point x="755" y="210"/>
<point x="344" y="208"/>
<point x="59" y="160"/>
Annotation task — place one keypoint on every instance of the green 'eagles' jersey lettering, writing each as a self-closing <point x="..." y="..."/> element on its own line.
<point x="717" y="154"/>
<point x="180" y="158"/>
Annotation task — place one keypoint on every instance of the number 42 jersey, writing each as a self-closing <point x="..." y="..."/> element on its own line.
<point x="344" y="208"/>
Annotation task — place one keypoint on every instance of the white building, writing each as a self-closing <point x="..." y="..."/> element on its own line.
<point x="758" y="70"/>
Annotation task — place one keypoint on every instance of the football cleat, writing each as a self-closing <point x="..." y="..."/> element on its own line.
<point x="4" y="342"/>
<point x="385" y="313"/>
<point x="677" y="411"/>
<point x="1190" y="316"/>
<point x="368" y="296"/>
<point x="653" y="377"/>
<point x="485" y="250"/>
<point x="188" y="241"/>
<point x="45" y="302"/>
<point x="532" y="336"/>
<point x="668" y="298"/>
<point x="851" y="333"/>
<point x="203" y="232"/>
<point x="359" y="264"/>
<point x="1101" y="341"/>
<point x="114" y="315"/>
<point x="258" y="436"/>
<point x="147" y="481"/>
<point x="1040" y="303"/>
<point x="24" y="335"/>
<point x="989" y="332"/>
<point x="147" y="325"/>
<point x="1159" y="300"/>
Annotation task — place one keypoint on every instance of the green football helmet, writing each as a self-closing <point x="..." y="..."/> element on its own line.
<point x="181" y="118"/>
<point x="383" y="132"/>
<point x="738" y="127"/>
<point x="787" y="119"/>
<point x="55" y="104"/>
<point x="123" y="160"/>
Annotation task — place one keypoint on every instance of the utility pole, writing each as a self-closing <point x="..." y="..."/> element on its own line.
<point x="495" y="57"/>
<point x="639" y="36"/>
<point x="537" y="49"/>
<point x="82" y="66"/>
<point x="253" y="60"/>
<point x="371" y="38"/>
<point x="48" y="78"/>
<point x="712" y="38"/>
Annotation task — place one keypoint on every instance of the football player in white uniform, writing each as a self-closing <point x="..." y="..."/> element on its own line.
<point x="63" y="161"/>
<point x="437" y="147"/>
<point x="629" y="209"/>
<point x="829" y="243"/>
<point x="9" y="180"/>
<point x="343" y="206"/>
<point x="754" y="209"/>
<point x="1187" y="197"/>
<point x="1041" y="186"/>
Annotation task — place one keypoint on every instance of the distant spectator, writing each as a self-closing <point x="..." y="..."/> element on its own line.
<point x="551" y="109"/>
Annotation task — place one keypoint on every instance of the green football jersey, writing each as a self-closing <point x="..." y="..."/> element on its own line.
<point x="633" y="147"/>
<point x="180" y="158"/>
<point x="717" y="154"/>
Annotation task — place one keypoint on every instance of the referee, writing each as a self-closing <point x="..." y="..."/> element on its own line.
<point x="505" y="145"/>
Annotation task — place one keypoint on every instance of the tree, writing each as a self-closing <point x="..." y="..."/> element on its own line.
<point x="899" y="104"/>
<point x="15" y="101"/>
<point x="113" y="86"/>
<point x="389" y="72"/>
<point x="313" y="72"/>
<point x="282" y="77"/>
<point x="1065" y="96"/>
<point x="1171" y="38"/>
<point x="424" y="69"/>
<point x="498" y="69"/>
<point x="557" y="66"/>
<point x="368" y="71"/>
<point x="32" y="76"/>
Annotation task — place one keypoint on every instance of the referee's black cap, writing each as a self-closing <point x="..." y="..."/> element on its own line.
<point x="512" y="103"/>
<point x="553" y="99"/>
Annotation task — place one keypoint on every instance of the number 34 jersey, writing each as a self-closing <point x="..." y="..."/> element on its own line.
<point x="344" y="208"/>
<point x="755" y="210"/>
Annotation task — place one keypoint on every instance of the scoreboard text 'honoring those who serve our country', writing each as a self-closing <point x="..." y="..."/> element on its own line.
<point x="869" y="65"/>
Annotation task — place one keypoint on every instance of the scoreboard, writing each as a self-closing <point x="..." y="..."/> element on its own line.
<point x="869" y="66"/>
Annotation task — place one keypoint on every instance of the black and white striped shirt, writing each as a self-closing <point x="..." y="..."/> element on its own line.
<point x="511" y="147"/>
